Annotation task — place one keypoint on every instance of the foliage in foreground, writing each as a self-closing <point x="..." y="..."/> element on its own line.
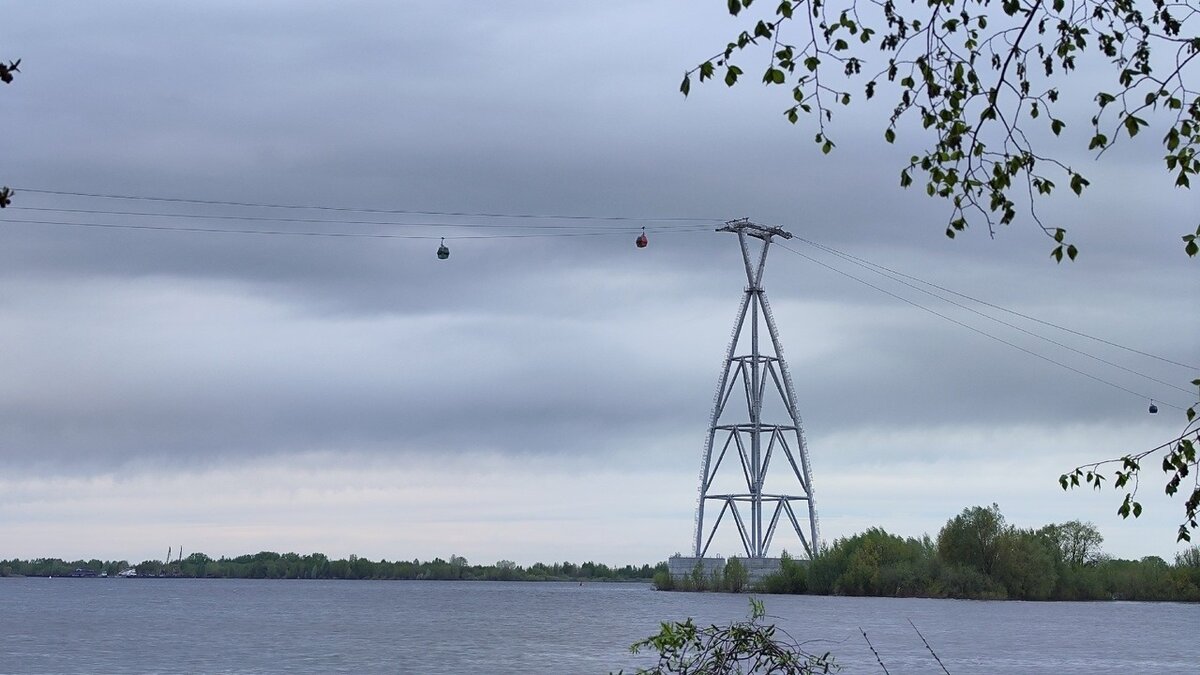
<point x="750" y="646"/>
<point x="983" y="86"/>
<point x="1179" y="461"/>
<point x="6" y="76"/>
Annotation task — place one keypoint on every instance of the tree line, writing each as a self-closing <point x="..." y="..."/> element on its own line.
<point x="271" y="565"/>
<point x="976" y="555"/>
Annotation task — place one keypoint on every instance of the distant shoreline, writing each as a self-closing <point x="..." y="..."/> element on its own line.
<point x="271" y="565"/>
<point x="572" y="582"/>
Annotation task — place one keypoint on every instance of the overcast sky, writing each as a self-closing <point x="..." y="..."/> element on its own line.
<point x="541" y="398"/>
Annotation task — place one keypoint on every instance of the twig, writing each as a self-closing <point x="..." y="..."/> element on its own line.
<point x="935" y="656"/>
<point x="872" y="647"/>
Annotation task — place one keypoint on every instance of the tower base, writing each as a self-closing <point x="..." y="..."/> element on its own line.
<point x="757" y="569"/>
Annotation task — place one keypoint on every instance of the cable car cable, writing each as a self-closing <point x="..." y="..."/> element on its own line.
<point x="459" y="214"/>
<point x="330" y="221"/>
<point x="974" y="329"/>
<point x="843" y="254"/>
<point x="871" y="268"/>
<point x="364" y="235"/>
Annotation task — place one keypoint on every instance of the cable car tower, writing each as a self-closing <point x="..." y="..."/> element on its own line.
<point x="738" y="434"/>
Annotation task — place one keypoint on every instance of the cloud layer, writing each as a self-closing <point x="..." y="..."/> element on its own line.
<point x="539" y="397"/>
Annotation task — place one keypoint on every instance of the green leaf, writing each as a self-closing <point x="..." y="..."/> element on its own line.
<point x="1172" y="139"/>
<point x="1133" y="124"/>
<point x="735" y="7"/>
<point x="731" y="75"/>
<point x="1056" y="126"/>
<point x="890" y="137"/>
<point x="686" y="86"/>
<point x="1072" y="251"/>
<point x="1078" y="183"/>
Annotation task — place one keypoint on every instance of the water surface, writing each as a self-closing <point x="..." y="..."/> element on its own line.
<point x="253" y="626"/>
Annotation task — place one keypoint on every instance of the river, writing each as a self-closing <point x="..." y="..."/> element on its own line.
<point x="251" y="626"/>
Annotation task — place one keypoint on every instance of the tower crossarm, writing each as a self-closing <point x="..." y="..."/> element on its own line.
<point x="754" y="229"/>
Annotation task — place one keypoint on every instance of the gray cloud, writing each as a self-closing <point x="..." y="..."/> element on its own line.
<point x="188" y="350"/>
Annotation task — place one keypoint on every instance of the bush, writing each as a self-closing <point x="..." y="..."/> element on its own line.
<point x="663" y="581"/>
<point x="699" y="582"/>
<point x="736" y="576"/>
<point x="792" y="577"/>
<point x="743" y="647"/>
<point x="960" y="581"/>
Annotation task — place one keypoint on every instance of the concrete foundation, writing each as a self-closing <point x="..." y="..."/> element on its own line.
<point x="681" y="567"/>
<point x="757" y="569"/>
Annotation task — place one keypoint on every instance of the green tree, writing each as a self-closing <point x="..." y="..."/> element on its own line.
<point x="961" y="581"/>
<point x="1186" y="574"/>
<point x="1076" y="543"/>
<point x="505" y="570"/>
<point x="1025" y="565"/>
<point x="972" y="538"/>
<point x="663" y="581"/>
<point x="873" y="562"/>
<point x="735" y="576"/>
<point x="698" y="581"/>
<point x="1189" y="557"/>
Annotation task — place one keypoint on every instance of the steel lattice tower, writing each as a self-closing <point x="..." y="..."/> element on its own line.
<point x="743" y="433"/>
